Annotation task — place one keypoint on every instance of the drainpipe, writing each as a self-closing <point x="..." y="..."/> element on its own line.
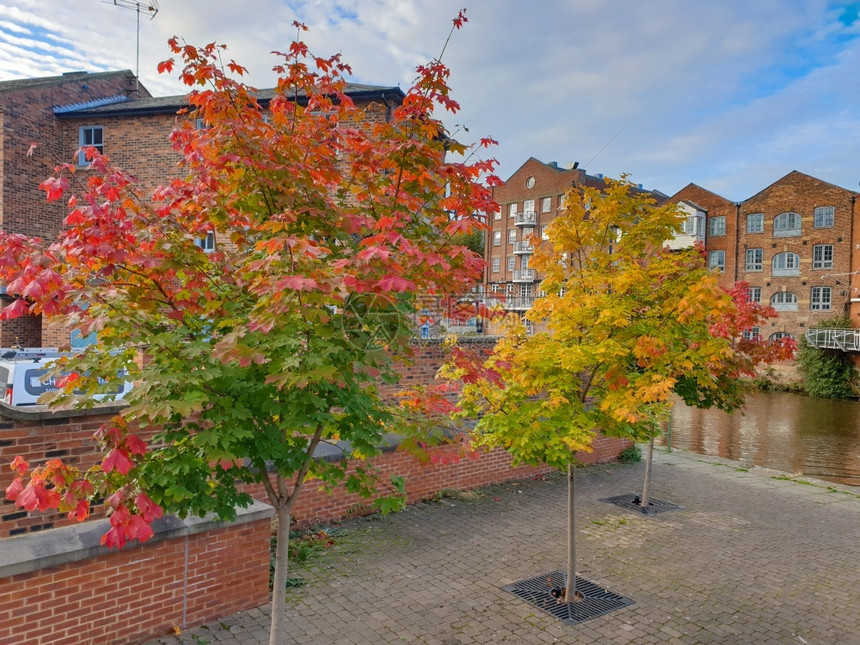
<point x="387" y="108"/>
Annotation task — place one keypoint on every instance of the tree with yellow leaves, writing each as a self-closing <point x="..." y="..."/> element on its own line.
<point x="624" y="321"/>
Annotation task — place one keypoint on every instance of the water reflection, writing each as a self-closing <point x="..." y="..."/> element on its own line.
<point x="788" y="432"/>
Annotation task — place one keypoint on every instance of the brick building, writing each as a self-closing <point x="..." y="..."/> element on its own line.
<point x="796" y="242"/>
<point x="528" y="201"/>
<point x="28" y="116"/>
<point x="113" y="113"/>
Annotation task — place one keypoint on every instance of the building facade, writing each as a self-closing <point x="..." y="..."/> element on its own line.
<point x="796" y="242"/>
<point x="113" y="113"/>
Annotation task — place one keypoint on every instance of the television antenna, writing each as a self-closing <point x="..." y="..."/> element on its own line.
<point x="150" y="7"/>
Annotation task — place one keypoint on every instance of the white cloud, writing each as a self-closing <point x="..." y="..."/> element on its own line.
<point x="729" y="95"/>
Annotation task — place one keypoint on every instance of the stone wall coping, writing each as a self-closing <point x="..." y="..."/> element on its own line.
<point x="55" y="547"/>
<point x="44" y="412"/>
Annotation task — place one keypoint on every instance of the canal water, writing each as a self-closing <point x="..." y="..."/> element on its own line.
<point x="788" y="432"/>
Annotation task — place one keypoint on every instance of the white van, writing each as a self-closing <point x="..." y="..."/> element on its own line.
<point x="22" y="375"/>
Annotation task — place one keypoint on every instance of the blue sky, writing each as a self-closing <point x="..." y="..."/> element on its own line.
<point x="731" y="95"/>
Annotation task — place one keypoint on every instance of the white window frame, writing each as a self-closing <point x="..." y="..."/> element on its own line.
<point x="779" y="335"/>
<point x="717" y="260"/>
<point x="497" y="263"/>
<point x="512" y="235"/>
<point x="787" y="224"/>
<point x="544" y="232"/>
<point x="822" y="256"/>
<point x="545" y="204"/>
<point x="497" y="238"/>
<point x="753" y="333"/>
<point x="755" y="222"/>
<point x="785" y="263"/>
<point x="512" y="262"/>
<point x="529" y="206"/>
<point x="754" y="294"/>
<point x="497" y="215"/>
<point x="754" y="260"/>
<point x="820" y="299"/>
<point x="717" y="226"/>
<point x="512" y="210"/>
<point x="206" y="244"/>
<point x="824" y="217"/>
<point x="91" y="130"/>
<point x="784" y="301"/>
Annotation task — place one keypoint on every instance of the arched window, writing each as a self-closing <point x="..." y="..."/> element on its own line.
<point x="786" y="225"/>
<point x="787" y="263"/>
<point x="780" y="335"/>
<point x="784" y="301"/>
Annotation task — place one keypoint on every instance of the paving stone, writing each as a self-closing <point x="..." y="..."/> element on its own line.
<point x="751" y="559"/>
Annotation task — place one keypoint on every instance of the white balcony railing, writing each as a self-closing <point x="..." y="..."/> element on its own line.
<point x="525" y="275"/>
<point x="848" y="340"/>
<point x="523" y="248"/>
<point x="526" y="218"/>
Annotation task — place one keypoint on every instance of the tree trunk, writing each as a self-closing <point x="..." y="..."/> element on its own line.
<point x="570" y="589"/>
<point x="278" y="628"/>
<point x="649" y="455"/>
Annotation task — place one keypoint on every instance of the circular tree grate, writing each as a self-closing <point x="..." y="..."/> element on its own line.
<point x="596" y="601"/>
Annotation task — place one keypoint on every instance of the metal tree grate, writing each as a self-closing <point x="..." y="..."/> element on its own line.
<point x="631" y="503"/>
<point x="596" y="601"/>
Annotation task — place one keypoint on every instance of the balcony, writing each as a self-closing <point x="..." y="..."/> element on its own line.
<point x="519" y="304"/>
<point x="524" y="247"/>
<point x="525" y="275"/>
<point x="526" y="218"/>
<point x="848" y="340"/>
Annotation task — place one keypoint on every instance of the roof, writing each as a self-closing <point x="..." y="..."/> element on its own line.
<point x="170" y="104"/>
<point x="45" y="81"/>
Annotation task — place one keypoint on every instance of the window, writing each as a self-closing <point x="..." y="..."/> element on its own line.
<point x="545" y="204"/>
<point x="525" y="291"/>
<point x="717" y="260"/>
<point x="512" y="259"/>
<point x="544" y="234"/>
<point x="754" y="259"/>
<point x="717" y="226"/>
<point x="497" y="238"/>
<point x="90" y="136"/>
<point x="524" y="262"/>
<point x="822" y="256"/>
<point x="496" y="263"/>
<point x="561" y="203"/>
<point x="206" y="244"/>
<point x="512" y="236"/>
<point x="529" y="206"/>
<point x="754" y="294"/>
<point x="495" y="288"/>
<point x="753" y="333"/>
<point x="693" y="225"/>
<point x="823" y="217"/>
<point x="509" y="289"/>
<point x="784" y="301"/>
<point x="755" y="223"/>
<point x="787" y="263"/>
<point x="200" y="124"/>
<point x="512" y="210"/>
<point x="820" y="299"/>
<point x="786" y="225"/>
<point x="780" y="335"/>
<point x="497" y="215"/>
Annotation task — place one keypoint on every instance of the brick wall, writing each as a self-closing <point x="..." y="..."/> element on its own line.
<point x="423" y="481"/>
<point x="716" y="206"/>
<point x="128" y="596"/>
<point x="66" y="438"/>
<point x="800" y="193"/>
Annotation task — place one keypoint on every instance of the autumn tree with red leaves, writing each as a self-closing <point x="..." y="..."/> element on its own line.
<point x="328" y="225"/>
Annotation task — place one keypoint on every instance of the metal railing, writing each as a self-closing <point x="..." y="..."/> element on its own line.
<point x="523" y="247"/>
<point x="526" y="218"/>
<point x="525" y="275"/>
<point x="847" y="340"/>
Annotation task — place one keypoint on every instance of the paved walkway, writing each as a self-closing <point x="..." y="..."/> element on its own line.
<point x="754" y="558"/>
